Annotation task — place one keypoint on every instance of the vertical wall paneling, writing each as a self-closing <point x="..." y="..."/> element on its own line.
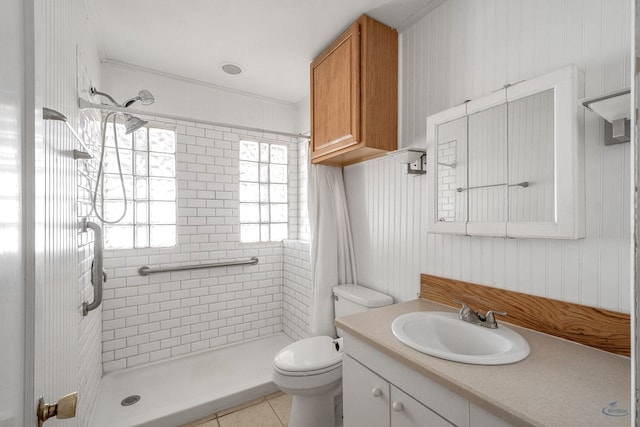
<point x="466" y="49"/>
<point x="57" y="351"/>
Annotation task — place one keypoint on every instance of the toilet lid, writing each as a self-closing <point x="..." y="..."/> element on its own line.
<point x="308" y="355"/>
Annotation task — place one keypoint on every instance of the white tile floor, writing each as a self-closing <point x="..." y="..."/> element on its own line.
<point x="269" y="411"/>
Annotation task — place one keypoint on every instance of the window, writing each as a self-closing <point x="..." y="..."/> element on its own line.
<point x="263" y="192"/>
<point x="148" y="165"/>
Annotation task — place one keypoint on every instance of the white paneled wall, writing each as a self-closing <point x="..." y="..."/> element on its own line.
<point x="386" y="208"/>
<point x="57" y="296"/>
<point x="465" y="49"/>
<point x="164" y="315"/>
<point x="297" y="289"/>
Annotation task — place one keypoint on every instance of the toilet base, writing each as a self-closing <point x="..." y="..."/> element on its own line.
<point x="315" y="410"/>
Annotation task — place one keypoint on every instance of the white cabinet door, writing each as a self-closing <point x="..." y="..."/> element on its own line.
<point x="408" y="412"/>
<point x="365" y="396"/>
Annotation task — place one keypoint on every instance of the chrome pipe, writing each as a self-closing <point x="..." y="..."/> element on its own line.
<point x="97" y="273"/>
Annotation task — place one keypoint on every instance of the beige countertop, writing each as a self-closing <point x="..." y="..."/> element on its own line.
<point x="560" y="383"/>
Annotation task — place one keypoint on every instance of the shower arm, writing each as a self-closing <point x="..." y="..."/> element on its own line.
<point x="95" y="91"/>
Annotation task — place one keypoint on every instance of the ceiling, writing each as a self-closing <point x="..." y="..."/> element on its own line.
<point x="272" y="40"/>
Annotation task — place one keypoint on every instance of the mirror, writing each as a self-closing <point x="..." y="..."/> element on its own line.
<point x="487" y="188"/>
<point x="451" y="165"/>
<point x="531" y="164"/>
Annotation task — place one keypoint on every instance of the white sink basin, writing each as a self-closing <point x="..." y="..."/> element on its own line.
<point x="444" y="335"/>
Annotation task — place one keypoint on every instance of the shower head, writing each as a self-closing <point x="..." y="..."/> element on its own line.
<point x="132" y="123"/>
<point x="144" y="96"/>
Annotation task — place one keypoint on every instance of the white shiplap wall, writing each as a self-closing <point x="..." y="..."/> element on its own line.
<point x="58" y="311"/>
<point x="463" y="50"/>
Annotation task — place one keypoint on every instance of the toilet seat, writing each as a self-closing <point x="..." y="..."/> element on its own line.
<point x="311" y="356"/>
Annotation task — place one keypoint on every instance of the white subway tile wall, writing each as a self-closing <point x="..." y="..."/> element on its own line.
<point x="304" y="228"/>
<point x="297" y="289"/>
<point x="150" y="318"/>
<point x="90" y="326"/>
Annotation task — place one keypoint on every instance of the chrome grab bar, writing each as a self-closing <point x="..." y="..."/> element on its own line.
<point x="97" y="273"/>
<point x="146" y="270"/>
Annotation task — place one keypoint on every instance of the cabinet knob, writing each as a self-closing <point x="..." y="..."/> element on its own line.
<point x="397" y="406"/>
<point x="376" y="392"/>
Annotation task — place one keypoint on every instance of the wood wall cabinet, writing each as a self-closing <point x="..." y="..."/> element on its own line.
<point x="354" y="95"/>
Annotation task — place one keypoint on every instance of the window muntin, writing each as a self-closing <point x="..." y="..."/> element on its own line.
<point x="264" y="209"/>
<point x="147" y="158"/>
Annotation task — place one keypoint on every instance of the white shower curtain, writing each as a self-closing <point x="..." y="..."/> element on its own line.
<point x="332" y="255"/>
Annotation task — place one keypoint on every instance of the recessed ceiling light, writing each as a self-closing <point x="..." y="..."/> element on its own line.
<point x="232" y="69"/>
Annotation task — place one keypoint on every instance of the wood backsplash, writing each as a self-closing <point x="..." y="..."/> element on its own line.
<point x="603" y="329"/>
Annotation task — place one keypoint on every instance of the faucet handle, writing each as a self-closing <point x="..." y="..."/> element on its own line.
<point x="490" y="318"/>
<point x="465" y="308"/>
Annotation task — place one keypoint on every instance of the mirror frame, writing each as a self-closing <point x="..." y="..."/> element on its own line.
<point x="569" y="192"/>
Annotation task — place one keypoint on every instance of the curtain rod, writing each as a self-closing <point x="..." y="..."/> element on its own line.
<point x="84" y="104"/>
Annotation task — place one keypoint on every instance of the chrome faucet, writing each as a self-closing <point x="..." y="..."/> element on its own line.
<point x="487" y="320"/>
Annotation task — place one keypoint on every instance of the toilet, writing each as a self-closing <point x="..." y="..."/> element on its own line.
<point x="311" y="369"/>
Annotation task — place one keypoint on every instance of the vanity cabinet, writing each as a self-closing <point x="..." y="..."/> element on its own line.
<point x="510" y="164"/>
<point x="369" y="400"/>
<point x="354" y="95"/>
<point x="379" y="391"/>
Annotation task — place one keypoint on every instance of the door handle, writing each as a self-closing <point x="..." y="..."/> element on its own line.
<point x="65" y="408"/>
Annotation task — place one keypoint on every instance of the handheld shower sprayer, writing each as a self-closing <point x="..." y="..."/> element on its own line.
<point x="144" y="96"/>
<point x="132" y="123"/>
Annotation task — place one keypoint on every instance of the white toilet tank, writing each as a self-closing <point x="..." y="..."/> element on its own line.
<point x="350" y="299"/>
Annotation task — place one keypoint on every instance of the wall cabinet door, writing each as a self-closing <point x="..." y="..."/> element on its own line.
<point x="335" y="94"/>
<point x="365" y="396"/>
<point x="408" y="412"/>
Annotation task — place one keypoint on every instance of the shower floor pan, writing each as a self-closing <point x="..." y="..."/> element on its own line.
<point x="184" y="389"/>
